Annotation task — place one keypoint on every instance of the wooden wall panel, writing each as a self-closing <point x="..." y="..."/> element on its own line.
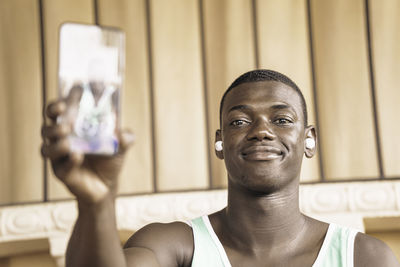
<point x="229" y="52"/>
<point x="130" y="16"/>
<point x="55" y="13"/>
<point x="385" y="32"/>
<point x="345" y="108"/>
<point x="21" y="169"/>
<point x="178" y="95"/>
<point x="342" y="77"/>
<point x="284" y="46"/>
<point x="5" y="111"/>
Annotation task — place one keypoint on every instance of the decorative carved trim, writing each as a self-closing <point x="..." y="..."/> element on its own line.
<point x="344" y="203"/>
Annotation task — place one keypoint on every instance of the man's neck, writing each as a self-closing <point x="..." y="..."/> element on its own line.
<point x="257" y="221"/>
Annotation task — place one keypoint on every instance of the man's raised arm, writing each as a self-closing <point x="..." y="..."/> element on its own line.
<point x="93" y="180"/>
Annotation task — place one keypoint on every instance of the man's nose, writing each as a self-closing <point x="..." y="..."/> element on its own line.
<point x="260" y="131"/>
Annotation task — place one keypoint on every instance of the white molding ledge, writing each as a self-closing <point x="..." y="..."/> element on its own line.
<point x="344" y="203"/>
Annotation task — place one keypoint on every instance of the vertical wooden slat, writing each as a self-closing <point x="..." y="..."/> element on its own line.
<point x="283" y="46"/>
<point x="385" y="42"/>
<point x="209" y="140"/>
<point x="178" y="97"/>
<point x="346" y="117"/>
<point x="5" y="144"/>
<point x="129" y="16"/>
<point x="229" y="52"/>
<point x="256" y="42"/>
<point x="20" y="102"/>
<point x="55" y="13"/>
<point x="44" y="96"/>
<point x="371" y="75"/>
<point x="314" y="90"/>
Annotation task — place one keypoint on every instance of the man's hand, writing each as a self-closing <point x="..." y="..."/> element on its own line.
<point x="91" y="178"/>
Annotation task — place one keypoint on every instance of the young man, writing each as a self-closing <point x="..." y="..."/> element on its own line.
<point x="263" y="137"/>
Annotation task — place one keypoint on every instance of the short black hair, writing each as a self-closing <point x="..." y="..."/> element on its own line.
<point x="261" y="75"/>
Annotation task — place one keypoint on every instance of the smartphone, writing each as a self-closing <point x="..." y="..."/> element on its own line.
<point x="90" y="76"/>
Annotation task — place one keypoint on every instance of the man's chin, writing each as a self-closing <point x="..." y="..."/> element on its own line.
<point x="264" y="184"/>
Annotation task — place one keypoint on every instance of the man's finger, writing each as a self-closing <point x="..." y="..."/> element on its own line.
<point x="54" y="132"/>
<point x="64" y="166"/>
<point x="55" y="109"/>
<point x="126" y="139"/>
<point x="56" y="150"/>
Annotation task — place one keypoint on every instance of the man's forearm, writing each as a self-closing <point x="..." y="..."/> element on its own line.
<point x="95" y="241"/>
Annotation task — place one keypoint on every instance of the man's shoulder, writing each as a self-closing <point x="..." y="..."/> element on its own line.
<point x="160" y="232"/>
<point x="370" y="251"/>
<point x="169" y="242"/>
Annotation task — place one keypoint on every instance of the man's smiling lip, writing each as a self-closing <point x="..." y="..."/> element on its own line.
<point x="261" y="152"/>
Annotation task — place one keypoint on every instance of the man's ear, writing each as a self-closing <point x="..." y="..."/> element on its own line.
<point x="218" y="137"/>
<point x="310" y="142"/>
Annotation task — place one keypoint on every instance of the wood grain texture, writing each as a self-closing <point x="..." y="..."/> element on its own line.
<point x="284" y="47"/>
<point x="229" y="52"/>
<point x="55" y="13"/>
<point x="346" y="116"/>
<point x="385" y="32"/>
<point x="178" y="95"/>
<point x="130" y="16"/>
<point x="21" y="167"/>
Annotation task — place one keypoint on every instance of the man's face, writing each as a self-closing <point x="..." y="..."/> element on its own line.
<point x="263" y="135"/>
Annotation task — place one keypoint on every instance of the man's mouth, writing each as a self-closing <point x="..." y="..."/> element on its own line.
<point x="261" y="153"/>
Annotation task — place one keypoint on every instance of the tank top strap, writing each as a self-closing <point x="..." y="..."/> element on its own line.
<point x="208" y="250"/>
<point x="338" y="248"/>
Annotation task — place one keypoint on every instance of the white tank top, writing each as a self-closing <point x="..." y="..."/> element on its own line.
<point x="337" y="249"/>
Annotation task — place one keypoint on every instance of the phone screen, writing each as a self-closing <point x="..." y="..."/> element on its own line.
<point x="91" y="68"/>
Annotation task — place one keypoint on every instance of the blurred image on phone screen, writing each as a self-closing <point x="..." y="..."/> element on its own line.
<point x="91" y="67"/>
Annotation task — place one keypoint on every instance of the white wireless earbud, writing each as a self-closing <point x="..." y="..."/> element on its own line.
<point x="218" y="146"/>
<point x="310" y="143"/>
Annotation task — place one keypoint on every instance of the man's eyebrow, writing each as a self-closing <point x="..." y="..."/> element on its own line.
<point x="239" y="107"/>
<point x="281" y="106"/>
<point x="274" y="107"/>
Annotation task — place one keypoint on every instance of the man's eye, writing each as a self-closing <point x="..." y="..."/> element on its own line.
<point x="238" y="123"/>
<point x="283" y="121"/>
